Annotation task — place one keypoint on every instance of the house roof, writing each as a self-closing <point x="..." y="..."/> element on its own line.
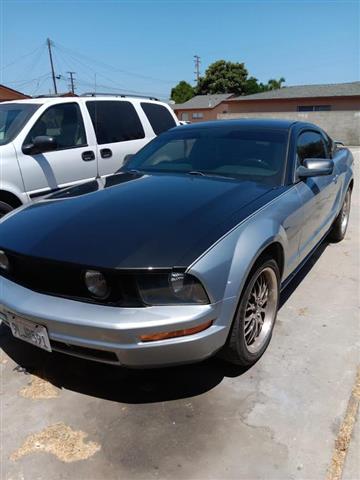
<point x="305" y="91"/>
<point x="202" y="101"/>
<point x="4" y="87"/>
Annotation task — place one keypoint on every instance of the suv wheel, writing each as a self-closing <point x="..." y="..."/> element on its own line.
<point x="255" y="316"/>
<point x="5" y="208"/>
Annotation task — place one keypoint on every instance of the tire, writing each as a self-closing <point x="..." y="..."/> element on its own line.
<point x="338" y="230"/>
<point x="241" y="348"/>
<point x="5" y="208"/>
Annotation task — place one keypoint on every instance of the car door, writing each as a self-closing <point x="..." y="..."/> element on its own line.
<point x="318" y="194"/>
<point x="74" y="159"/>
<point x="119" y="132"/>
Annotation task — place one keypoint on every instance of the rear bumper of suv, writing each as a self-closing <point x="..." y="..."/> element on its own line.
<point x="112" y="334"/>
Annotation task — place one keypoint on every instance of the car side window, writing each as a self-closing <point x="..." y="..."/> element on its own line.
<point x="159" y="117"/>
<point x="63" y="122"/>
<point x="114" y="121"/>
<point x="310" y="144"/>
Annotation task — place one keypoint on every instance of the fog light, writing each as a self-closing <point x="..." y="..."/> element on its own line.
<point x="153" y="337"/>
<point x="4" y="261"/>
<point x="96" y="284"/>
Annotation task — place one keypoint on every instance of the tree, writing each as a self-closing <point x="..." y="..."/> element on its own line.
<point x="275" y="84"/>
<point x="223" y="77"/>
<point x="182" y="92"/>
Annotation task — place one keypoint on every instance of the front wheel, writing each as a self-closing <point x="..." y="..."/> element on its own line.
<point x="255" y="317"/>
<point x="338" y="230"/>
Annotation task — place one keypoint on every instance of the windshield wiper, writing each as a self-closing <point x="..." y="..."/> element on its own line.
<point x="196" y="172"/>
<point x="209" y="174"/>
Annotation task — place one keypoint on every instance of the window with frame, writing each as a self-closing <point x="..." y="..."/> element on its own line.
<point x="185" y="116"/>
<point x="114" y="121"/>
<point x="159" y="117"/>
<point x="310" y="144"/>
<point x="314" y="108"/>
<point x="197" y="115"/>
<point x="63" y="122"/>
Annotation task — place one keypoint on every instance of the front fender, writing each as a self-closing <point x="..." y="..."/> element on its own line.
<point x="224" y="268"/>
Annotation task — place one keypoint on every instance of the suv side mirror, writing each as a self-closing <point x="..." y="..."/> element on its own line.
<point x="40" y="144"/>
<point x="315" y="167"/>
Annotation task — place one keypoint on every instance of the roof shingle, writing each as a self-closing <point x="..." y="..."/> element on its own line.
<point x="306" y="91"/>
<point x="203" y="101"/>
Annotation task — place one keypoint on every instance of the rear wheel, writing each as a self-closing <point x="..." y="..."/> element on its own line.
<point x="338" y="230"/>
<point x="5" y="208"/>
<point x="255" y="317"/>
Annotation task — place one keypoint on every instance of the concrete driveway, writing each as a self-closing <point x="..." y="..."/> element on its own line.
<point x="64" y="418"/>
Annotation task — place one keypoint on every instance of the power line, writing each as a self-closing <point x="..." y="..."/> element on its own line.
<point x="22" y="57"/>
<point x="111" y="67"/>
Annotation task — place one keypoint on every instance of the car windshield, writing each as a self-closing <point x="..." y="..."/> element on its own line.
<point x="13" y="117"/>
<point x="256" y="154"/>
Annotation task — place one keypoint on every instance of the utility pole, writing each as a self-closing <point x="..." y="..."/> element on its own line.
<point x="48" y="41"/>
<point x="197" y="67"/>
<point x="72" y="86"/>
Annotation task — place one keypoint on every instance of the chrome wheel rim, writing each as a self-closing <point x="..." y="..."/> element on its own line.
<point x="345" y="212"/>
<point x="260" y="310"/>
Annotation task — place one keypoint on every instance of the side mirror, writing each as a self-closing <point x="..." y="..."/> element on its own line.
<point x="338" y="144"/>
<point x="315" y="167"/>
<point x="40" y="144"/>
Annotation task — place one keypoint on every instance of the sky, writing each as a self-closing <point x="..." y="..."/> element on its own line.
<point x="148" y="46"/>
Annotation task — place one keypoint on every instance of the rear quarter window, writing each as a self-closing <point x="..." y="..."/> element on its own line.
<point x="115" y="121"/>
<point x="159" y="117"/>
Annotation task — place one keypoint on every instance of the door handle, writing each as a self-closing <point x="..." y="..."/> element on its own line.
<point x="105" y="153"/>
<point x="88" y="156"/>
<point x="335" y="179"/>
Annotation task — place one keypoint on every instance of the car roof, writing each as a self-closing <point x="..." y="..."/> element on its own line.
<point x="270" y="123"/>
<point x="56" y="100"/>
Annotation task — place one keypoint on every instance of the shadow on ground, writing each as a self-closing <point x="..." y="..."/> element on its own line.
<point x="125" y="385"/>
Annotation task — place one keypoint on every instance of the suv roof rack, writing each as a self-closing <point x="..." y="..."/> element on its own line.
<point x="122" y="95"/>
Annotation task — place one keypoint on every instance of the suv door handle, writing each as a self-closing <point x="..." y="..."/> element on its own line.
<point x="105" y="153"/>
<point x="88" y="156"/>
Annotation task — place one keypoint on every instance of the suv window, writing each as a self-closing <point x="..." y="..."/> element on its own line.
<point x="310" y="145"/>
<point x="114" y="121"/>
<point x="159" y="117"/>
<point x="13" y="116"/>
<point x="63" y="122"/>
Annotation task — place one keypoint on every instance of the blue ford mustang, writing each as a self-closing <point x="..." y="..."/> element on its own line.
<point x="183" y="252"/>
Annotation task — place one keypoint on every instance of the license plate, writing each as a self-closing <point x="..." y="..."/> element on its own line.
<point x="29" y="332"/>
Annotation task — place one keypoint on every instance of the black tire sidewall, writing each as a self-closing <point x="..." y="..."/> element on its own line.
<point x="5" y="208"/>
<point x="336" y="233"/>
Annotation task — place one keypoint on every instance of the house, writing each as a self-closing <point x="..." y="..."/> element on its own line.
<point x="333" y="107"/>
<point x="7" y="93"/>
<point x="202" y="107"/>
<point x="301" y="98"/>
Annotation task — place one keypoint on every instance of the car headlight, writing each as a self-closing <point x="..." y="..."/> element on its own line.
<point x="96" y="284"/>
<point x="4" y="261"/>
<point x="171" y="289"/>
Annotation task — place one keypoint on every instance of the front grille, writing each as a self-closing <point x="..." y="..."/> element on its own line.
<point x="85" y="352"/>
<point x="66" y="280"/>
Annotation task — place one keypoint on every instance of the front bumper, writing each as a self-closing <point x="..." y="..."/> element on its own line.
<point x="83" y="329"/>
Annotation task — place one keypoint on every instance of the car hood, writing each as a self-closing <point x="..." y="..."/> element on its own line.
<point x="133" y="220"/>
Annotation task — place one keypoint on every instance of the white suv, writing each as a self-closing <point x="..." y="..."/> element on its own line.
<point x="50" y="143"/>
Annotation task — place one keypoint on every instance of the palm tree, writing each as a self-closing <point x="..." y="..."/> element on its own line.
<point x="275" y="84"/>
